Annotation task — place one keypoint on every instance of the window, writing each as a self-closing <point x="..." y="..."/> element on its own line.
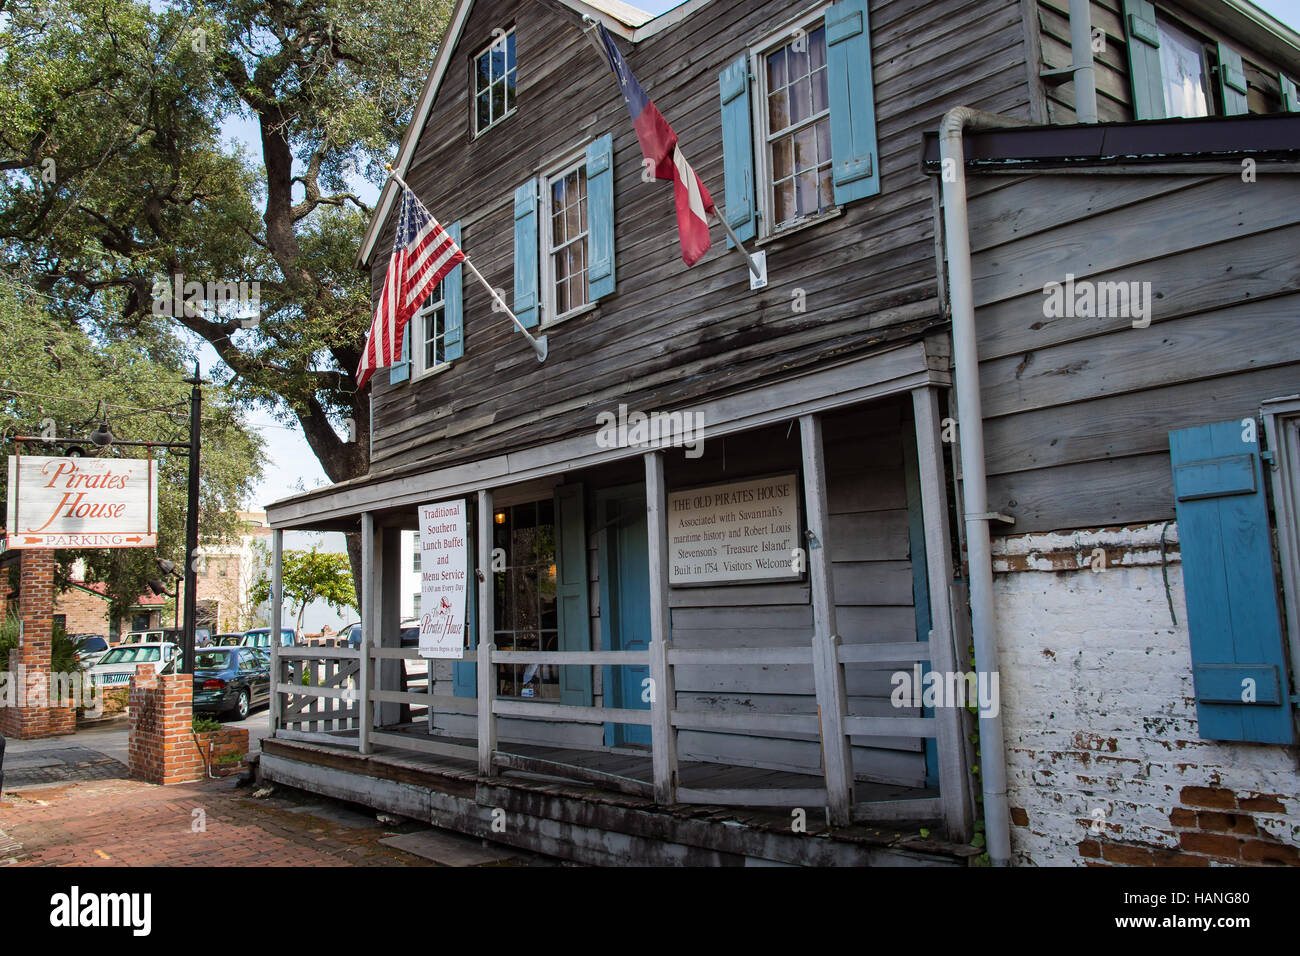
<point x="795" y="117"/>
<point x="524" y="595"/>
<point x="564" y="239"/>
<point x="1184" y="72"/>
<point x="415" y="555"/>
<point x="494" y="83"/>
<point x="415" y="604"/>
<point x="429" y="326"/>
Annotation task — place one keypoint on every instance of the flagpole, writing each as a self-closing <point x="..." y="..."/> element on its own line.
<point x="539" y="343"/>
<point x="721" y="216"/>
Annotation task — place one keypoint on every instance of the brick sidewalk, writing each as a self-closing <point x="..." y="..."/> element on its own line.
<point x="126" y="822"/>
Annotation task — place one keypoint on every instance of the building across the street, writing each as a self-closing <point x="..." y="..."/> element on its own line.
<point x="972" y="527"/>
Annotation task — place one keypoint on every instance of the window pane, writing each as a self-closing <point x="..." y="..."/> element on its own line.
<point x="498" y="99"/>
<point x="510" y="92"/>
<point x="510" y="51"/>
<point x="807" y="193"/>
<point x="805" y="149"/>
<point x="1182" y="67"/>
<point x="484" y="111"/>
<point x="782" y="158"/>
<point x="817" y="48"/>
<point x="482" y="74"/>
<point x="797" y="59"/>
<point x="776" y="70"/>
<point x="800" y="100"/>
<point x="778" y="111"/>
<point x="827" y="188"/>
<point x="820" y="97"/>
<point x="823" y="130"/>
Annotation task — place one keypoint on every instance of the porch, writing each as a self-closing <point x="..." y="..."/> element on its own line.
<point x="624" y="702"/>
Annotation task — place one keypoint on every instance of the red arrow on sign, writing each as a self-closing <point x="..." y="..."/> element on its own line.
<point x="31" y="540"/>
<point x="134" y="539"/>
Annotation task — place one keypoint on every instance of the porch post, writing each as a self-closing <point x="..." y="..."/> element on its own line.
<point x="954" y="784"/>
<point x="390" y="672"/>
<point x="828" y="675"/>
<point x="484" y="669"/>
<point x="277" y="616"/>
<point x="369" y="622"/>
<point x="663" y="695"/>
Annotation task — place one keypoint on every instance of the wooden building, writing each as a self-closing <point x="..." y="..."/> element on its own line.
<point x="719" y="527"/>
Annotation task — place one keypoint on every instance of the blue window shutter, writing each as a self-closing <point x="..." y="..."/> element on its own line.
<point x="464" y="674"/>
<point x="738" y="149"/>
<point x="855" y="170"/>
<point x="526" y="254"/>
<point x="402" y="370"/>
<point x="1144" y="60"/>
<point x="453" y="295"/>
<point x="571" y="597"/>
<point x="1232" y="608"/>
<point x="600" y="217"/>
<point x="1232" y="81"/>
<point x="1290" y="96"/>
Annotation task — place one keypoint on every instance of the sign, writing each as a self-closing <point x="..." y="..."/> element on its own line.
<point x="744" y="531"/>
<point x="82" y="502"/>
<point x="444" y="578"/>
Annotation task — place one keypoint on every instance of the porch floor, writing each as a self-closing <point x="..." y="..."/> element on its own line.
<point x="608" y="796"/>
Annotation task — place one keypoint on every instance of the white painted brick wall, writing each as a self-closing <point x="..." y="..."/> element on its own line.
<point x="1098" y="711"/>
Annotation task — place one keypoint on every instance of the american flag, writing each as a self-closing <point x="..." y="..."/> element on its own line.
<point x="423" y="253"/>
<point x="659" y="145"/>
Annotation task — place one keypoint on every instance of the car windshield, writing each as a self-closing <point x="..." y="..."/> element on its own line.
<point x="132" y="655"/>
<point x="212" y="660"/>
<point x="94" y="644"/>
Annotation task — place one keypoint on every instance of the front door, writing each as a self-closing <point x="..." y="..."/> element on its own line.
<point x="624" y="603"/>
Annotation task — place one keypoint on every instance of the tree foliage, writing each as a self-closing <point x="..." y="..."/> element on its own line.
<point x="54" y="370"/>
<point x="308" y="576"/>
<point x="111" y="128"/>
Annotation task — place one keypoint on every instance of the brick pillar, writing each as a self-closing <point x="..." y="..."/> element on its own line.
<point x="161" y="746"/>
<point x="30" y="661"/>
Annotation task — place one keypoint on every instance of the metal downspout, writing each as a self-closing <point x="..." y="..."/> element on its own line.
<point x="1085" y="71"/>
<point x="974" y="482"/>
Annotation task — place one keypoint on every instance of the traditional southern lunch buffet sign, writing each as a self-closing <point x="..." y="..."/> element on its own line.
<point x="444" y="578"/>
<point x="82" y="502"/>
<point x="743" y="531"/>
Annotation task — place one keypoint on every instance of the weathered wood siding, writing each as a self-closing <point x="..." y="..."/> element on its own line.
<point x="1078" y="410"/>
<point x="670" y="335"/>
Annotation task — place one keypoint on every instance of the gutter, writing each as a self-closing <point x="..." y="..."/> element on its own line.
<point x="1085" y="70"/>
<point x="975" y="511"/>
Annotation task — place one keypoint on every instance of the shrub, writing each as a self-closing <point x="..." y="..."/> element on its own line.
<point x="205" y="725"/>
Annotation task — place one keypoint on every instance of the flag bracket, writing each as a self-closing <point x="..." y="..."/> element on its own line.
<point x="538" y="343"/>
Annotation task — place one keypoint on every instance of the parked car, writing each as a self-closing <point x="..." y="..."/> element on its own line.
<point x="116" y="667"/>
<point x="231" y="680"/>
<point x="350" y="636"/>
<point x="227" y="640"/>
<point x="90" y="648"/>
<point x="261" y="637"/>
<point x="142" y="637"/>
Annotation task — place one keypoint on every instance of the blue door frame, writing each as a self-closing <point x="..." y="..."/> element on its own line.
<point x="624" y="602"/>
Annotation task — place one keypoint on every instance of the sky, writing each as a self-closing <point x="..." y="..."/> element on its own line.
<point x="290" y="465"/>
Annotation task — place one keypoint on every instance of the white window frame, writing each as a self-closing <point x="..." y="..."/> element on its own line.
<point x="546" y="267"/>
<point x="1282" y="434"/>
<point x="763" y="191"/>
<point x="418" y="335"/>
<point x="474" y="90"/>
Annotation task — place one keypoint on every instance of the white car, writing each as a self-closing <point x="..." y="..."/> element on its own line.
<point x="117" y="667"/>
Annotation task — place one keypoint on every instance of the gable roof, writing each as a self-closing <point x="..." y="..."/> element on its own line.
<point x="619" y="18"/>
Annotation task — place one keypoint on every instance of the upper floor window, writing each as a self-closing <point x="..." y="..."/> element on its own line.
<point x="494" y="82"/>
<point x="795" y="119"/>
<point x="429" y="331"/>
<point x="1185" y="72"/>
<point x="564" y="238"/>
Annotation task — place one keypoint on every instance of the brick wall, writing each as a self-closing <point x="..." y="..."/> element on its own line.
<point x="1105" y="763"/>
<point x="32" y="656"/>
<point x="162" y="746"/>
<point x="83" y="613"/>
